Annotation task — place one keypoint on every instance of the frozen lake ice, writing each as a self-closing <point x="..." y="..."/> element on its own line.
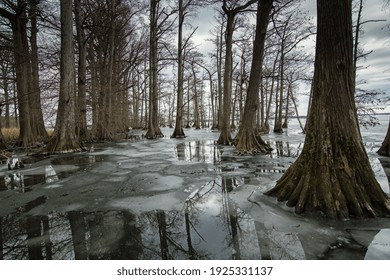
<point x="176" y="199"/>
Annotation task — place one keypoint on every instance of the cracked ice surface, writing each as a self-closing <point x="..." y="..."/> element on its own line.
<point x="176" y="198"/>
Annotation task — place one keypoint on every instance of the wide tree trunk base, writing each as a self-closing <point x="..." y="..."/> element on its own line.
<point x="178" y="133"/>
<point x="251" y="143"/>
<point x="154" y="133"/>
<point x="25" y="142"/>
<point x="63" y="145"/>
<point x="335" y="189"/>
<point x="225" y="138"/>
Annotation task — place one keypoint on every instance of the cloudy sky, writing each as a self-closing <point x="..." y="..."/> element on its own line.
<point x="376" y="38"/>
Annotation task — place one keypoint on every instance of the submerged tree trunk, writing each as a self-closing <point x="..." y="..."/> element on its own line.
<point x="248" y="139"/>
<point x="65" y="139"/>
<point x="333" y="173"/>
<point x="78" y="230"/>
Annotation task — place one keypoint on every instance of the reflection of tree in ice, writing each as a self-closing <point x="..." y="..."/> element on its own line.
<point x="14" y="181"/>
<point x="25" y="238"/>
<point x="202" y="151"/>
<point x="286" y="149"/>
<point x="13" y="244"/>
<point x="112" y="235"/>
<point x="14" y="162"/>
<point x="165" y="235"/>
<point x="231" y="231"/>
<point x="200" y="232"/>
<point x="22" y="182"/>
<point x="75" y="235"/>
<point x="239" y="224"/>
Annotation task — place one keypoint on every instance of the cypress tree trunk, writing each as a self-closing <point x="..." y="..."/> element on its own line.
<point x="81" y="122"/>
<point x="225" y="137"/>
<point x="23" y="73"/>
<point x="196" y="101"/>
<point x="219" y="77"/>
<point x="333" y="173"/>
<point x="179" y="132"/>
<point x="37" y="122"/>
<point x="65" y="139"/>
<point x="248" y="139"/>
<point x="154" y="130"/>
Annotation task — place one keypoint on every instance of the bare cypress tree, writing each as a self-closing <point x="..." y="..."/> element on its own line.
<point x="248" y="139"/>
<point x="333" y="174"/>
<point x="18" y="18"/>
<point x="179" y="132"/>
<point x="37" y="122"/>
<point x="231" y="10"/>
<point x="64" y="138"/>
<point x="154" y="130"/>
<point x="81" y="121"/>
